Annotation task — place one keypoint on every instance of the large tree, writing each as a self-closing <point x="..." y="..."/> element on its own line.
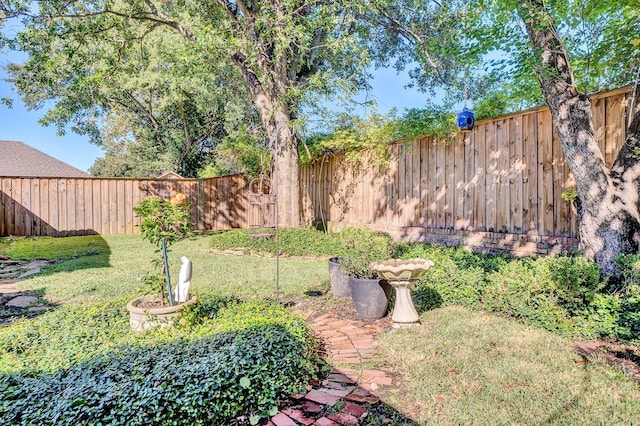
<point x="608" y="202"/>
<point x="286" y="52"/>
<point x="149" y="99"/>
<point x="279" y="49"/>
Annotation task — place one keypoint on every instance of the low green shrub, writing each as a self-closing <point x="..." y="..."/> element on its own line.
<point x="516" y="291"/>
<point x="457" y="277"/>
<point x="574" y="280"/>
<point x="629" y="318"/>
<point x="292" y="242"/>
<point x="206" y="308"/>
<point x="629" y="273"/>
<point x="62" y="336"/>
<point x="236" y="358"/>
<point x="602" y="318"/>
<point x="558" y="293"/>
<point x="367" y="244"/>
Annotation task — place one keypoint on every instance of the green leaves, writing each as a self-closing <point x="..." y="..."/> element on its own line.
<point x="164" y="220"/>
<point x="237" y="362"/>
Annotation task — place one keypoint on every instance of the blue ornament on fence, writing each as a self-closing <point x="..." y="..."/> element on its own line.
<point x="466" y="119"/>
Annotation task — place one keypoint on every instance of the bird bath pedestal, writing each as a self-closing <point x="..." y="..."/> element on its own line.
<point x="401" y="275"/>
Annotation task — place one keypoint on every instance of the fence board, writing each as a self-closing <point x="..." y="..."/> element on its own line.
<point x="16" y="216"/>
<point x="614" y="129"/>
<point x="515" y="173"/>
<point x="545" y="173"/>
<point x="470" y="180"/>
<point x="26" y="205"/>
<point x="491" y="176"/>
<point x="480" y="205"/>
<point x="449" y="185"/>
<point x="417" y="180"/>
<point x="503" y="196"/>
<point x="440" y="201"/>
<point x="403" y="181"/>
<point x="530" y="173"/>
<point x="433" y="182"/>
<point x="459" y="183"/>
<point x="599" y="121"/>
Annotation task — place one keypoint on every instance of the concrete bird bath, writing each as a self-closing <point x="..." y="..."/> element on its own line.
<point x="401" y="275"/>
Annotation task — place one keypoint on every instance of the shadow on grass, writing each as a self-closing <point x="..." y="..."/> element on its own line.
<point x="73" y="253"/>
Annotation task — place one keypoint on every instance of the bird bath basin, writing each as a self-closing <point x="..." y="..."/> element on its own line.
<point x="402" y="275"/>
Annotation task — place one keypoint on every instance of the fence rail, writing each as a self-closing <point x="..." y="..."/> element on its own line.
<point x="80" y="206"/>
<point x="506" y="176"/>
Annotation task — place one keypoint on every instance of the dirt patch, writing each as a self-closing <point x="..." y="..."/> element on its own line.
<point x="151" y="303"/>
<point x="616" y="354"/>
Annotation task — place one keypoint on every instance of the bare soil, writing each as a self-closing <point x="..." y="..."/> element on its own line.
<point x="624" y="356"/>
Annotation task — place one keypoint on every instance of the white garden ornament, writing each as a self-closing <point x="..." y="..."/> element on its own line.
<point x="181" y="292"/>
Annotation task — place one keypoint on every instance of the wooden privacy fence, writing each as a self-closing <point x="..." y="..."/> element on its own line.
<point x="79" y="206"/>
<point x="505" y="177"/>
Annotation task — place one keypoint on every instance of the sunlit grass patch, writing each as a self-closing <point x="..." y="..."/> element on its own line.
<point x="466" y="367"/>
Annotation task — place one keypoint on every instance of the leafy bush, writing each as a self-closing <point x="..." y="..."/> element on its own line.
<point x="559" y="293"/>
<point x="602" y="318"/>
<point x="292" y="242"/>
<point x="573" y="279"/>
<point x="629" y="273"/>
<point x="207" y="307"/>
<point x="239" y="359"/>
<point x="457" y="277"/>
<point x="516" y="291"/>
<point x="365" y="246"/>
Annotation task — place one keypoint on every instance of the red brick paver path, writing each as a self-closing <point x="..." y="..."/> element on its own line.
<point x="349" y="345"/>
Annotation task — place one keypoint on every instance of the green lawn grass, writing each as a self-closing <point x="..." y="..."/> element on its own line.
<point x="52" y="248"/>
<point x="465" y="367"/>
<point x="117" y="267"/>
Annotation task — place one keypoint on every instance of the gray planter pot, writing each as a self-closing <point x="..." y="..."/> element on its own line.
<point x="339" y="281"/>
<point x="370" y="297"/>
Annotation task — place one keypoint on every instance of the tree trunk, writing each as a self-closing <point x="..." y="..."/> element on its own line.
<point x="284" y="145"/>
<point x="608" y="218"/>
<point x="286" y="169"/>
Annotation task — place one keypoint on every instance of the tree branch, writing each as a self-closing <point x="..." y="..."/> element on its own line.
<point x="187" y="136"/>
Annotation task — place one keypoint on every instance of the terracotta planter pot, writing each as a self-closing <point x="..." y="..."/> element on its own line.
<point x="370" y="297"/>
<point x="146" y="318"/>
<point x="339" y="281"/>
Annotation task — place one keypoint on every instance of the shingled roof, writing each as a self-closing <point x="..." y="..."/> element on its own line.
<point x="18" y="159"/>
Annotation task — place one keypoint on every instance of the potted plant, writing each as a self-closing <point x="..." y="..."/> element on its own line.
<point x="370" y="294"/>
<point x="162" y="223"/>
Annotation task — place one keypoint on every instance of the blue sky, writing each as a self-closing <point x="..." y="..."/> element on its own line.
<point x="18" y="124"/>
